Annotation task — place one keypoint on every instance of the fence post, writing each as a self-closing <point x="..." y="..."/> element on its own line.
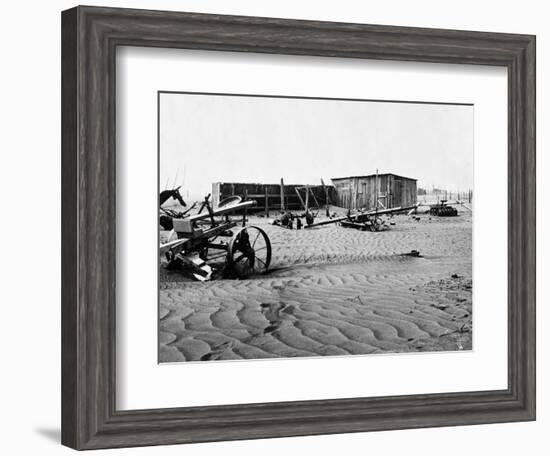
<point x="266" y="201"/>
<point x="282" y="195"/>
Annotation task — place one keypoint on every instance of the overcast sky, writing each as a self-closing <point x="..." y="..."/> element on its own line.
<point x="211" y="138"/>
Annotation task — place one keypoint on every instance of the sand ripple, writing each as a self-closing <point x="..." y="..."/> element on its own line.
<point x="333" y="291"/>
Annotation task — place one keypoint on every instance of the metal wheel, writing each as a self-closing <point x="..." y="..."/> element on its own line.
<point x="249" y="252"/>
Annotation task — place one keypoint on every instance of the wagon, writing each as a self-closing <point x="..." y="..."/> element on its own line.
<point x="211" y="243"/>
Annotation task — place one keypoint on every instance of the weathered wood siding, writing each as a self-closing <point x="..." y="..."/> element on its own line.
<point x="272" y="192"/>
<point x="360" y="191"/>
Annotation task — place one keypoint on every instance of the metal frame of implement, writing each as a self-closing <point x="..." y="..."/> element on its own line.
<point x="197" y="234"/>
<point x="363" y="217"/>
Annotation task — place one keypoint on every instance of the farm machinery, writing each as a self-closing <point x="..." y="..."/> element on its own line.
<point x="209" y="243"/>
<point x="442" y="209"/>
<point x="365" y="220"/>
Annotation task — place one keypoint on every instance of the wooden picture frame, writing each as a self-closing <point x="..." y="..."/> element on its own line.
<point x="90" y="36"/>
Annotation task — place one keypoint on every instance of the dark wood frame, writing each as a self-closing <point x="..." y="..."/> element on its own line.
<point x="89" y="38"/>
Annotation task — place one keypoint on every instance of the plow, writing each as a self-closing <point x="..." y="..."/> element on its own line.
<point x="365" y="220"/>
<point x="210" y="243"/>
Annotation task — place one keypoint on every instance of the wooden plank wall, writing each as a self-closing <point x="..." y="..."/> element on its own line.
<point x="360" y="192"/>
<point x="409" y="193"/>
<point x="272" y="193"/>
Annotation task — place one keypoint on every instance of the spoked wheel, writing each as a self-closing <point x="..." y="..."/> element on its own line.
<point x="249" y="252"/>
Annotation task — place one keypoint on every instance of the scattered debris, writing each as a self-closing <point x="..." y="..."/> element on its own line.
<point x="286" y="219"/>
<point x="413" y="253"/>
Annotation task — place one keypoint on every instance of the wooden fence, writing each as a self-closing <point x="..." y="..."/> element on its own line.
<point x="276" y="197"/>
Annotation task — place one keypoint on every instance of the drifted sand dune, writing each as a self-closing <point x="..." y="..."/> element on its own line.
<point x="331" y="291"/>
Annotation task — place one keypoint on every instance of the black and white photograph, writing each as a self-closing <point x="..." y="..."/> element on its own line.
<point x="275" y="228"/>
<point x="300" y="227"/>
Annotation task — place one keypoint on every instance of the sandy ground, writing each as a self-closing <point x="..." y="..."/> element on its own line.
<point x="331" y="291"/>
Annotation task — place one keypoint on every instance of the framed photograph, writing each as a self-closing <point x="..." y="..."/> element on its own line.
<point x="282" y="227"/>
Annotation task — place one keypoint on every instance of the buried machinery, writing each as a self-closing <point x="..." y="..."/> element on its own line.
<point x="194" y="243"/>
<point x="365" y="220"/>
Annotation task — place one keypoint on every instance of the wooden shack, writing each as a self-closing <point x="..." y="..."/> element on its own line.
<point x="276" y="197"/>
<point x="357" y="192"/>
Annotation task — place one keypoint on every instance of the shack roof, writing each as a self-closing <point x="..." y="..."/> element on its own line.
<point x="372" y="175"/>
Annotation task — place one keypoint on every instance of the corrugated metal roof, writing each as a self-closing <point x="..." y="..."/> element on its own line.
<point x="372" y="175"/>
